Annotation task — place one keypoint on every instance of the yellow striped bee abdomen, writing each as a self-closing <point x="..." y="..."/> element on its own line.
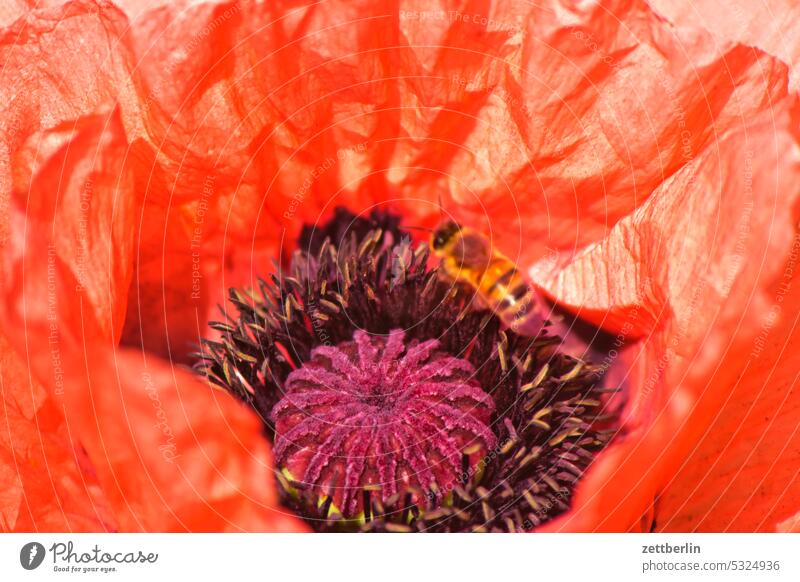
<point x="468" y="256"/>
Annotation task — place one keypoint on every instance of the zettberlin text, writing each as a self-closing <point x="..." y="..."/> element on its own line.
<point x="671" y="549"/>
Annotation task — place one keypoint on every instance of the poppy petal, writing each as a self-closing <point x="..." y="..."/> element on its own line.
<point x="60" y="63"/>
<point x="541" y="120"/>
<point x="65" y="143"/>
<point x="699" y="259"/>
<point x="741" y="473"/>
<point x="73" y="230"/>
<point x="768" y="25"/>
<point x="42" y="483"/>
<point x="171" y="453"/>
<point x="65" y="276"/>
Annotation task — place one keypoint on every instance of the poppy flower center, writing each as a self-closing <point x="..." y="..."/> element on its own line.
<point x="377" y="416"/>
<point x="394" y="401"/>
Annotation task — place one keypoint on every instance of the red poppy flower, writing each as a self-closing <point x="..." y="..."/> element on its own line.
<point x="641" y="168"/>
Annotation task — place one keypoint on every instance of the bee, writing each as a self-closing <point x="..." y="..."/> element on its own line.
<point x="468" y="256"/>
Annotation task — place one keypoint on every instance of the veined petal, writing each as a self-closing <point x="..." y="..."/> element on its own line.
<point x="66" y="273"/>
<point x="72" y="233"/>
<point x="740" y="474"/>
<point x="44" y="485"/>
<point x="767" y="25"/>
<point x="694" y="272"/>
<point x="171" y="453"/>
